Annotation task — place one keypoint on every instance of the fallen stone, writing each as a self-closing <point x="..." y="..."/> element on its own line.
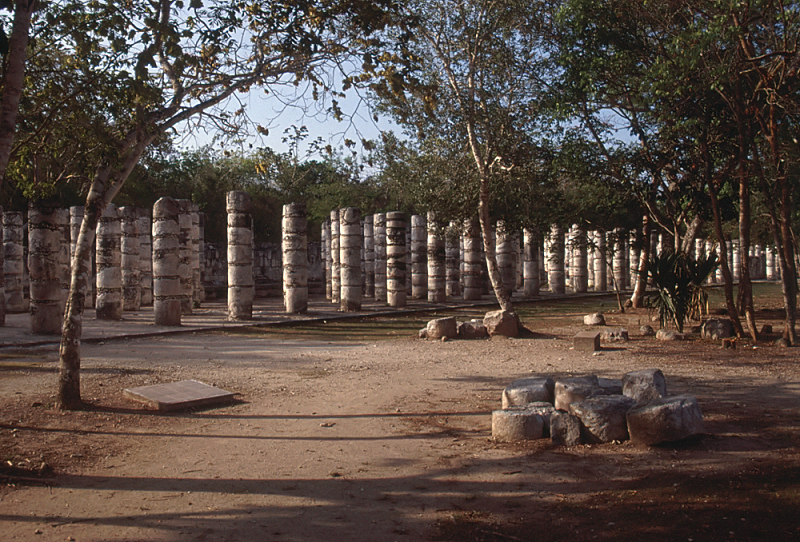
<point x="516" y="424"/>
<point x="473" y="329"/>
<point x="580" y="388"/>
<point x="423" y="333"/>
<point x="615" y="335"/>
<point x="783" y="342"/>
<point x="596" y="319"/>
<point x="525" y="391"/>
<point x="442" y="327"/>
<point x="668" y="335"/>
<point x="644" y="385"/>
<point x="545" y="410"/>
<point x="716" y="329"/>
<point x="667" y="419"/>
<point x="647" y="331"/>
<point x="611" y="386"/>
<point x="501" y="323"/>
<point x="587" y="341"/>
<point x="565" y="429"/>
<point x="603" y="418"/>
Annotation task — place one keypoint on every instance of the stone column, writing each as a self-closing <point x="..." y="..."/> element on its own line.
<point x="130" y="259"/>
<point x="379" y="220"/>
<point x="530" y="265"/>
<point x="326" y="254"/>
<point x="619" y="268"/>
<point x="369" y="256"/>
<point x="166" y="258"/>
<point x="197" y="286"/>
<point x="108" y="260"/>
<point x="201" y="247"/>
<point x="452" y="250"/>
<point x="44" y="242"/>
<point x="505" y="258"/>
<point x="336" y="263"/>
<point x="13" y="265"/>
<point x="580" y="272"/>
<point x="437" y="274"/>
<point x="736" y="259"/>
<point x="409" y="274"/>
<point x="396" y="291"/>
<point x="770" y="256"/>
<point x="146" y="259"/>
<point x="473" y="286"/>
<point x="350" y="259"/>
<point x="63" y="256"/>
<point x="419" y="256"/>
<point x="241" y="288"/>
<point x="295" y="258"/>
<point x="600" y="264"/>
<point x="556" y="277"/>
<point x="185" y="253"/>
<point x="709" y="249"/>
<point x="718" y="276"/>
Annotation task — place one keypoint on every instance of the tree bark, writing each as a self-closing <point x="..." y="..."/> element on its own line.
<point x="637" y="297"/>
<point x="14" y="78"/>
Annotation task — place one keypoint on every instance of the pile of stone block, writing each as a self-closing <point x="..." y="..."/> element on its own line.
<point x="591" y="410"/>
<point x="494" y="323"/>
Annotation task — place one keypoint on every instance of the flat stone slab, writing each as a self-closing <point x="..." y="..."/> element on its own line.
<point x="587" y="341"/>
<point x="179" y="395"/>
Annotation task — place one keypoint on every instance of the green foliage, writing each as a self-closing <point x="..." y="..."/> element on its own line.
<point x="678" y="281"/>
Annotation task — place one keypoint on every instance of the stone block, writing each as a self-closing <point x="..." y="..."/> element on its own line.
<point x="516" y="424"/>
<point x="473" y="329"/>
<point x="442" y="327"/>
<point x="611" y="386"/>
<point x="524" y="391"/>
<point x="665" y="420"/>
<point x="644" y="385"/>
<point x="647" y="331"/>
<point x="615" y="335"/>
<point x="569" y="390"/>
<point x="668" y="335"/>
<point x="565" y="429"/>
<point x="545" y="410"/>
<point x="603" y="418"/>
<point x="502" y="323"/>
<point x="716" y="329"/>
<point x="587" y="341"/>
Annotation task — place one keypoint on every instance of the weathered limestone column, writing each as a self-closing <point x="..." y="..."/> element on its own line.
<point x="64" y="256"/>
<point x="437" y="272"/>
<point x="326" y="255"/>
<point x="166" y="258"/>
<point x="350" y="259"/>
<point x="580" y="272"/>
<point x="295" y="258"/>
<point x="201" y="247"/>
<point x="108" y="261"/>
<point x="473" y="286"/>
<point x="530" y="266"/>
<point x="419" y="256"/>
<point x="770" y="255"/>
<point x="130" y="259"/>
<point x="600" y="278"/>
<point x="409" y="274"/>
<point x="146" y="259"/>
<point x="709" y="249"/>
<point x="633" y="256"/>
<point x="736" y="259"/>
<point x="719" y="278"/>
<point x="452" y="250"/>
<point x="336" y="280"/>
<point x="380" y="256"/>
<point x="569" y="238"/>
<point x="556" y="276"/>
<point x="13" y="265"/>
<point x="241" y="287"/>
<point x="369" y="256"/>
<point x="197" y="285"/>
<point x="44" y="242"/>
<point x="396" y="291"/>
<point x="505" y="258"/>
<point x="619" y="266"/>
<point x="516" y="243"/>
<point x="185" y="253"/>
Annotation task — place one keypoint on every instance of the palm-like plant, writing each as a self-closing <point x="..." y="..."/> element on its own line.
<point x="678" y="281"/>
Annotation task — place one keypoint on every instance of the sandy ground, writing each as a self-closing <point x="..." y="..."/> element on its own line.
<point x="389" y="440"/>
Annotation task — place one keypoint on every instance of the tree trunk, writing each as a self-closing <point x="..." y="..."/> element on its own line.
<point x="788" y="264"/>
<point x="745" y="284"/>
<point x="14" y="78"/>
<point x="500" y="292"/>
<point x="723" y="258"/>
<point x="637" y="297"/>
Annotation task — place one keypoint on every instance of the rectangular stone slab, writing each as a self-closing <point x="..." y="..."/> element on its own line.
<point x="587" y="341"/>
<point x="179" y="395"/>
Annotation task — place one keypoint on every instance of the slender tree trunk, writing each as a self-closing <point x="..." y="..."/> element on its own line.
<point x="14" y="78"/>
<point x="723" y="258"/>
<point x="105" y="185"/>
<point x="788" y="264"/>
<point x="500" y="292"/>
<point x="637" y="297"/>
<point x="745" y="283"/>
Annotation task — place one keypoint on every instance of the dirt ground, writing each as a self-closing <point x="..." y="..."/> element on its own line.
<point x="362" y="432"/>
